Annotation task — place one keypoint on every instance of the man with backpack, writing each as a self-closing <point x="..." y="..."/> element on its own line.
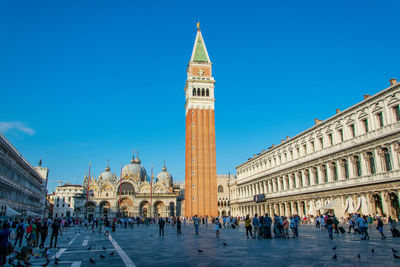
<point x="196" y="224"/>
<point x="20" y="233"/>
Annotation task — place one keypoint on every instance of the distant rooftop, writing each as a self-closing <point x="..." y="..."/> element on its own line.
<point x="70" y="185"/>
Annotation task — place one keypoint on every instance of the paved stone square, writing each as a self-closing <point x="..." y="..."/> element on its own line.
<point x="142" y="246"/>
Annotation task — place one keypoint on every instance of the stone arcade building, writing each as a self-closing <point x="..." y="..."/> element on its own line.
<point x="21" y="186"/>
<point x="347" y="163"/>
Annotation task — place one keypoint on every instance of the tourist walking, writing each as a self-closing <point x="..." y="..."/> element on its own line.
<point x="14" y="226"/>
<point x="161" y="224"/>
<point x="296" y="220"/>
<point x="329" y="225"/>
<point x="217" y="227"/>
<point x="101" y="222"/>
<point x="4" y="235"/>
<point x="178" y="226"/>
<point x="277" y="226"/>
<point x="379" y="227"/>
<point x="38" y="227"/>
<point x="196" y="224"/>
<point x="351" y="224"/>
<point x="256" y="225"/>
<point x="247" y="223"/>
<point x="363" y="227"/>
<point x="20" y="233"/>
<point x="336" y="224"/>
<point x="285" y="228"/>
<point x="56" y="228"/>
<point x="267" y="222"/>
<point x="43" y="233"/>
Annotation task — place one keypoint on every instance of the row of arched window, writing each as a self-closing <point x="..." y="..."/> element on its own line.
<point x="319" y="174"/>
<point x="223" y="203"/>
<point x="201" y="92"/>
<point x="343" y="132"/>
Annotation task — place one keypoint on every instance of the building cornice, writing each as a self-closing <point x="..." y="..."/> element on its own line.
<point x="324" y="123"/>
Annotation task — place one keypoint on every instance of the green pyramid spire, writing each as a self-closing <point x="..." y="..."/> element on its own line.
<point x="200" y="52"/>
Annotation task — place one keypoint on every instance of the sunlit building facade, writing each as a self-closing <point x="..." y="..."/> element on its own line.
<point x="345" y="164"/>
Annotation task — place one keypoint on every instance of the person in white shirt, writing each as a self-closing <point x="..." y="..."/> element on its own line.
<point x="217" y="227"/>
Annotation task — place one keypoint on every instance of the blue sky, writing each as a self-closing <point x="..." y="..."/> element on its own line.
<point x="88" y="81"/>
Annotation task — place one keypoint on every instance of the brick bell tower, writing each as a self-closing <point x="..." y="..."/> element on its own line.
<point x="200" y="161"/>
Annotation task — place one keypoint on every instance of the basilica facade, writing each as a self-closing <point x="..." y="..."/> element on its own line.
<point x="348" y="163"/>
<point x="133" y="194"/>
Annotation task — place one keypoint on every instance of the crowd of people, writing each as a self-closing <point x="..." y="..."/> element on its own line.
<point x="20" y="236"/>
<point x="358" y="223"/>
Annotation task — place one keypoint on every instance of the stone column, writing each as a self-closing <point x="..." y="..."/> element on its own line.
<point x="321" y="169"/>
<point x="386" y="205"/>
<point x="294" y="209"/>
<point x="378" y="154"/>
<point x="274" y="186"/>
<point x="290" y="181"/>
<point x="341" y="170"/>
<point x="331" y="174"/>
<point x="305" y="177"/>
<point x="269" y="186"/>
<point x="278" y="181"/>
<point x="287" y="209"/>
<point x="300" y="212"/>
<point x="281" y="210"/>
<point x="364" y="161"/>
<point x="285" y="183"/>
<point x="395" y="149"/>
<point x="297" y="179"/>
<point x="351" y="163"/>
<point x="265" y="187"/>
<point x="313" y="176"/>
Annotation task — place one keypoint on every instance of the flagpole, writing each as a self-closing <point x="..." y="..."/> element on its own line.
<point x="120" y="181"/>
<point x="151" y="192"/>
<point x="87" y="193"/>
<point x="88" y="185"/>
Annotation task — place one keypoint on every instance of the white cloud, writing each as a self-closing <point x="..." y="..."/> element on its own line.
<point x="16" y="125"/>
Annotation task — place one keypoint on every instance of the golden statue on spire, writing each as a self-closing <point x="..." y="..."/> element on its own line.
<point x="198" y="25"/>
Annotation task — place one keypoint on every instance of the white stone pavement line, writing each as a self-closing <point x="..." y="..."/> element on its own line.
<point x="128" y="262"/>
<point x="73" y="239"/>
<point x="64" y="262"/>
<point x="93" y="250"/>
<point x="86" y="241"/>
<point x="61" y="251"/>
<point x="76" y="264"/>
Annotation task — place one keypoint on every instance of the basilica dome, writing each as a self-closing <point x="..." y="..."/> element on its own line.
<point x="107" y="175"/>
<point x="134" y="170"/>
<point x="164" y="177"/>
